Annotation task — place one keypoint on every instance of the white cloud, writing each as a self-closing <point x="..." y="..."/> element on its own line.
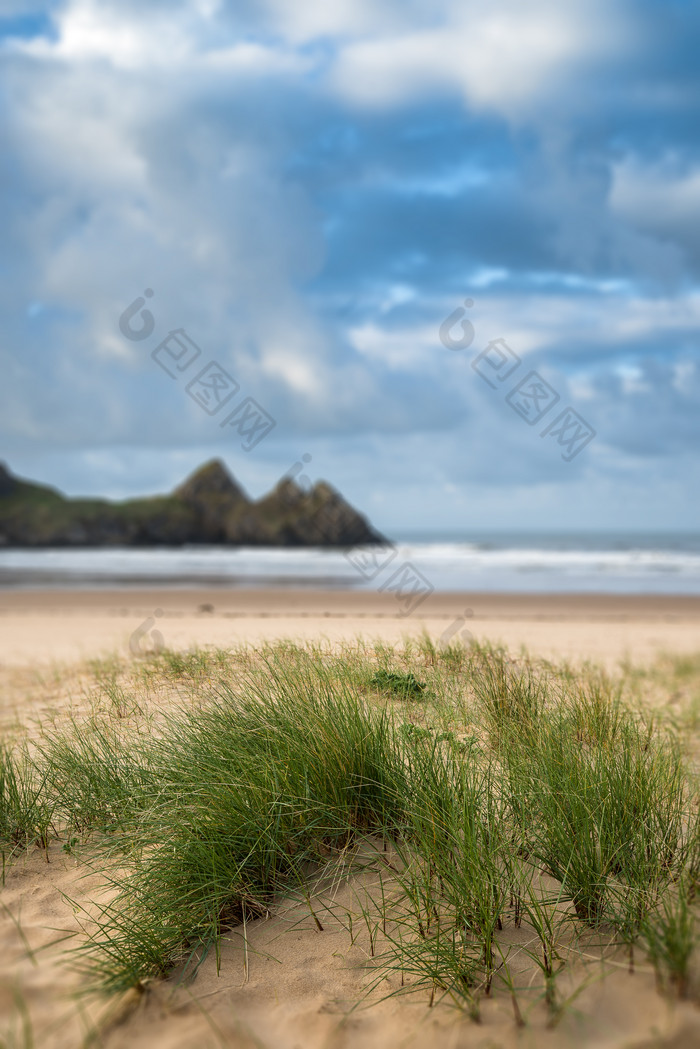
<point x="157" y="39"/>
<point x="534" y="323"/>
<point x="89" y="31"/>
<point x="307" y="20"/>
<point x="257" y="60"/>
<point x="509" y="57"/>
<point x="410" y="349"/>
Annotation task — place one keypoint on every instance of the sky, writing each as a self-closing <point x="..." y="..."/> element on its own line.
<point x="444" y="255"/>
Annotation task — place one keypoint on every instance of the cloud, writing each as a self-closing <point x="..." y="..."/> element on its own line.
<point x="662" y="198"/>
<point x="507" y="57"/>
<point x="310" y="190"/>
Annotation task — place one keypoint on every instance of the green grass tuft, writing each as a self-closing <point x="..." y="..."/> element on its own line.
<point x="514" y="793"/>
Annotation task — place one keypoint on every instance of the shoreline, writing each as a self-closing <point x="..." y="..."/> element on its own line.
<point x="357" y="601"/>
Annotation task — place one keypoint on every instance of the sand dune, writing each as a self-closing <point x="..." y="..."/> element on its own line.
<point x="291" y="985"/>
<point x="301" y="990"/>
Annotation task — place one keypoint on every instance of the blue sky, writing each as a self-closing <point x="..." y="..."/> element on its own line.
<point x="309" y="190"/>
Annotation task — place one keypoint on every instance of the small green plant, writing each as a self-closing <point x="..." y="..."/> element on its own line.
<point x="511" y="696"/>
<point x="193" y="664"/>
<point x="670" y="935"/>
<point x="25" y="809"/>
<point x="546" y="919"/>
<point x="404" y="686"/>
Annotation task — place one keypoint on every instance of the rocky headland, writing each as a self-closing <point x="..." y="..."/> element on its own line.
<point x="208" y="507"/>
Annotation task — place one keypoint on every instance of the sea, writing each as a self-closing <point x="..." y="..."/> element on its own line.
<point x="498" y="562"/>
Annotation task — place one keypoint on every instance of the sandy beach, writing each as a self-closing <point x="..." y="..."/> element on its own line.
<point x="300" y="984"/>
<point x="45" y="626"/>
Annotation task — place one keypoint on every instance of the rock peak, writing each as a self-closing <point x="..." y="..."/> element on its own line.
<point x="210" y="481"/>
<point x="8" y="482"/>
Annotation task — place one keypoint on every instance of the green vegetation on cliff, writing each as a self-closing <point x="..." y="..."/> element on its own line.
<point x="209" y="507"/>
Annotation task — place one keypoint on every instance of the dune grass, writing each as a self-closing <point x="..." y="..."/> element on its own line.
<point x="492" y="793"/>
<point x="26" y="805"/>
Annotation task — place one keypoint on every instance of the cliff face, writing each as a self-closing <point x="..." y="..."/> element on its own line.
<point x="320" y="517"/>
<point x="209" y="507"/>
<point x="212" y="495"/>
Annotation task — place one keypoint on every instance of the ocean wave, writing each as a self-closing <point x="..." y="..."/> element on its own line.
<point x="445" y="565"/>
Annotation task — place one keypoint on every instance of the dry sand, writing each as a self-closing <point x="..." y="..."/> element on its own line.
<point x="43" y="626"/>
<point x="300" y="988"/>
<point x="301" y="983"/>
